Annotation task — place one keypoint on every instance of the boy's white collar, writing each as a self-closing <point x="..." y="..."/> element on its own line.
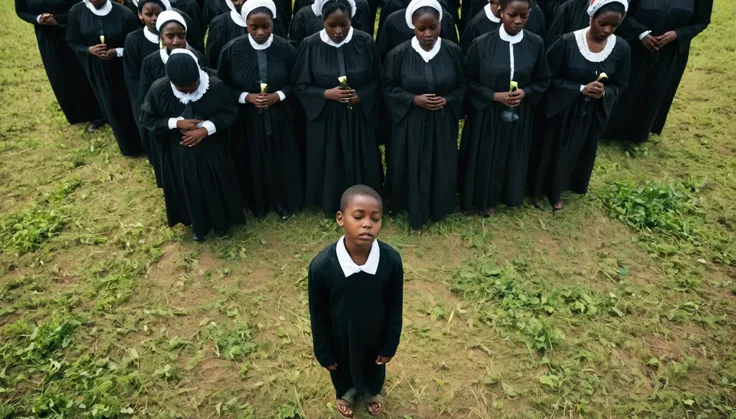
<point x="349" y="267"/>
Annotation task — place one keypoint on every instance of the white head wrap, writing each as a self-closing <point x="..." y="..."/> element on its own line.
<point x="416" y="5"/>
<point x="168" y="16"/>
<point x="251" y="5"/>
<point x="319" y="4"/>
<point x="167" y="3"/>
<point x="597" y="4"/>
<point x="102" y="11"/>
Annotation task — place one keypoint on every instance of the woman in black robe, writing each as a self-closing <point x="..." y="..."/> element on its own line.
<point x="187" y="9"/>
<point x="308" y="20"/>
<point x="579" y="103"/>
<point x="189" y="113"/>
<point x="66" y="76"/>
<point x="488" y="20"/>
<point x="569" y="17"/>
<point x="659" y="33"/>
<point x="226" y="27"/>
<point x="497" y="134"/>
<point x="341" y="146"/>
<point x="395" y="32"/>
<point x="423" y="88"/>
<point x="172" y="30"/>
<point x="264" y="141"/>
<point x="96" y="31"/>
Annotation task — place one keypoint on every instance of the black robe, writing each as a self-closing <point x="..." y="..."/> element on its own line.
<point x="152" y="69"/>
<point x="306" y="23"/>
<point x="200" y="184"/>
<point x="549" y="7"/>
<point x="191" y="8"/>
<point x="224" y="29"/>
<point x="355" y="319"/>
<point x="394" y="32"/>
<point x="422" y="171"/>
<point x="341" y="146"/>
<point x="137" y="47"/>
<point x="391" y="6"/>
<point x="67" y="78"/>
<point x="565" y="157"/>
<point x="106" y="76"/>
<point x="569" y="17"/>
<point x="265" y="145"/>
<point x="480" y="25"/>
<point x="212" y="9"/>
<point x="494" y="153"/>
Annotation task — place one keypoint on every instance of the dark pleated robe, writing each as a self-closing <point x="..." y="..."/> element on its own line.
<point x="191" y="8"/>
<point x="394" y="32"/>
<point x="480" y="25"/>
<point x="355" y="319"/>
<point x="392" y="6"/>
<point x="549" y="7"/>
<point x="137" y="48"/>
<point x="67" y="77"/>
<point x="212" y="9"/>
<point x="422" y="172"/>
<point x="494" y="153"/>
<point x="266" y="150"/>
<point x="200" y="184"/>
<point x="106" y="76"/>
<point x="152" y="69"/>
<point x="565" y="154"/>
<point x="224" y="29"/>
<point x="569" y="17"/>
<point x="341" y="148"/>
<point x="654" y="73"/>
<point x="305" y="27"/>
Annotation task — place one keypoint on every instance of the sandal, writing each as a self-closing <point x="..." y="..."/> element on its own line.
<point x="375" y="400"/>
<point x="345" y="404"/>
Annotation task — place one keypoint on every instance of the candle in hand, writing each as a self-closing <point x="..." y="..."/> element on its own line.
<point x="102" y="39"/>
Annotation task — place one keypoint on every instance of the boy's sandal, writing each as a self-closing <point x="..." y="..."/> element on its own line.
<point x="346" y="402"/>
<point x="377" y="399"/>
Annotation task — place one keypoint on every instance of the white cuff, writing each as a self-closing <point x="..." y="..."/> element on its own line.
<point x="241" y="98"/>
<point x="582" y="87"/>
<point x="282" y="96"/>
<point x="173" y="121"/>
<point x="38" y="19"/>
<point x="644" y="34"/>
<point x="209" y="126"/>
<point x="119" y="51"/>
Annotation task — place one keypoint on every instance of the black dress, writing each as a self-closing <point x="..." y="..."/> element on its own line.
<point x="549" y="7"/>
<point x="305" y="22"/>
<point x="422" y="171"/>
<point x="569" y="17"/>
<point x="355" y="319"/>
<point x="67" y="78"/>
<point x="200" y="184"/>
<point x="654" y="75"/>
<point x="481" y="24"/>
<point x="106" y="76"/>
<point x="494" y="153"/>
<point x="212" y="9"/>
<point x="137" y="47"/>
<point x="341" y="146"/>
<point x="153" y="68"/>
<point x="225" y="28"/>
<point x="394" y="32"/>
<point x="265" y="145"/>
<point x="191" y="8"/>
<point x="564" y="160"/>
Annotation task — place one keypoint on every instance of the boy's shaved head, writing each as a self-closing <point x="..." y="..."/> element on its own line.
<point x="357" y="190"/>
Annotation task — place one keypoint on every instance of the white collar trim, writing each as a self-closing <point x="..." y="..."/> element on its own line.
<point x="260" y="47"/>
<point x="185" y="98"/>
<point x="165" y="55"/>
<point x="515" y="39"/>
<point x="490" y="15"/>
<point x="594" y="57"/>
<point x="349" y="267"/>
<point x="326" y="39"/>
<point x="235" y="16"/>
<point x="102" y="11"/>
<point x="426" y="55"/>
<point x="152" y="37"/>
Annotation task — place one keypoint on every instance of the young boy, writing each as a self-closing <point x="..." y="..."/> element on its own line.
<point x="355" y="303"/>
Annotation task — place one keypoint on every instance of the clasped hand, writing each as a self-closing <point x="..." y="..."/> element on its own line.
<point x="100" y="51"/>
<point x="594" y="89"/>
<point x="262" y="100"/>
<point x="430" y="101"/>
<point x="192" y="133"/>
<point x="339" y="94"/>
<point x="655" y="43"/>
<point x="510" y="99"/>
<point x="47" y="19"/>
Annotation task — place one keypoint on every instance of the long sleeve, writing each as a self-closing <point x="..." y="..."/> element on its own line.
<point x="73" y="35"/>
<point x="21" y="9"/>
<point x="311" y="97"/>
<point x="468" y="37"/>
<point x="393" y="295"/>
<point x="563" y="92"/>
<point x="540" y="80"/>
<point x="397" y="100"/>
<point x="448" y="29"/>
<point x="699" y="21"/>
<point x="319" y="303"/>
<point x="131" y="68"/>
<point x="214" y="45"/>
<point x="151" y="118"/>
<point x="479" y="95"/>
<point x="290" y="60"/>
<point x="368" y="93"/>
<point x="298" y="30"/>
<point x="618" y="81"/>
<point x="456" y="96"/>
<point x="227" y="109"/>
<point x="61" y="19"/>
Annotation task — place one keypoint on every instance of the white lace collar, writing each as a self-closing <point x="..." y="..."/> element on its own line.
<point x="259" y="47"/>
<point x="165" y="55"/>
<point x="349" y="267"/>
<point x="152" y="37"/>
<point x="326" y="39"/>
<point x="235" y="16"/>
<point x="102" y="11"/>
<point x="426" y="55"/>
<point x="204" y="84"/>
<point x="594" y="57"/>
<point x="508" y="38"/>
<point x="490" y="15"/>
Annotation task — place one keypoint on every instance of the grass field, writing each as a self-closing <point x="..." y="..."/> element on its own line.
<point x="622" y="305"/>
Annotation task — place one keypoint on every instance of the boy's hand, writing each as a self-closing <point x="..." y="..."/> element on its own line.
<point x="383" y="360"/>
<point x="332" y="367"/>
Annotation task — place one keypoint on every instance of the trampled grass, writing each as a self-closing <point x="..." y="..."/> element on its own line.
<point x="622" y="305"/>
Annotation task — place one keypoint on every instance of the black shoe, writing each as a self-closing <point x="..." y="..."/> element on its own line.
<point x="283" y="212"/>
<point x="221" y="233"/>
<point x="199" y="239"/>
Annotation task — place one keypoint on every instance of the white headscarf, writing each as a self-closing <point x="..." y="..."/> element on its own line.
<point x="597" y="4"/>
<point x="168" y="16"/>
<point x="251" y="5"/>
<point x="204" y="81"/>
<point x="102" y="11"/>
<point x="319" y="4"/>
<point x="167" y="3"/>
<point x="416" y="5"/>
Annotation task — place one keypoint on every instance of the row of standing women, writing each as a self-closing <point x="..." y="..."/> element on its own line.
<point x="547" y="127"/>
